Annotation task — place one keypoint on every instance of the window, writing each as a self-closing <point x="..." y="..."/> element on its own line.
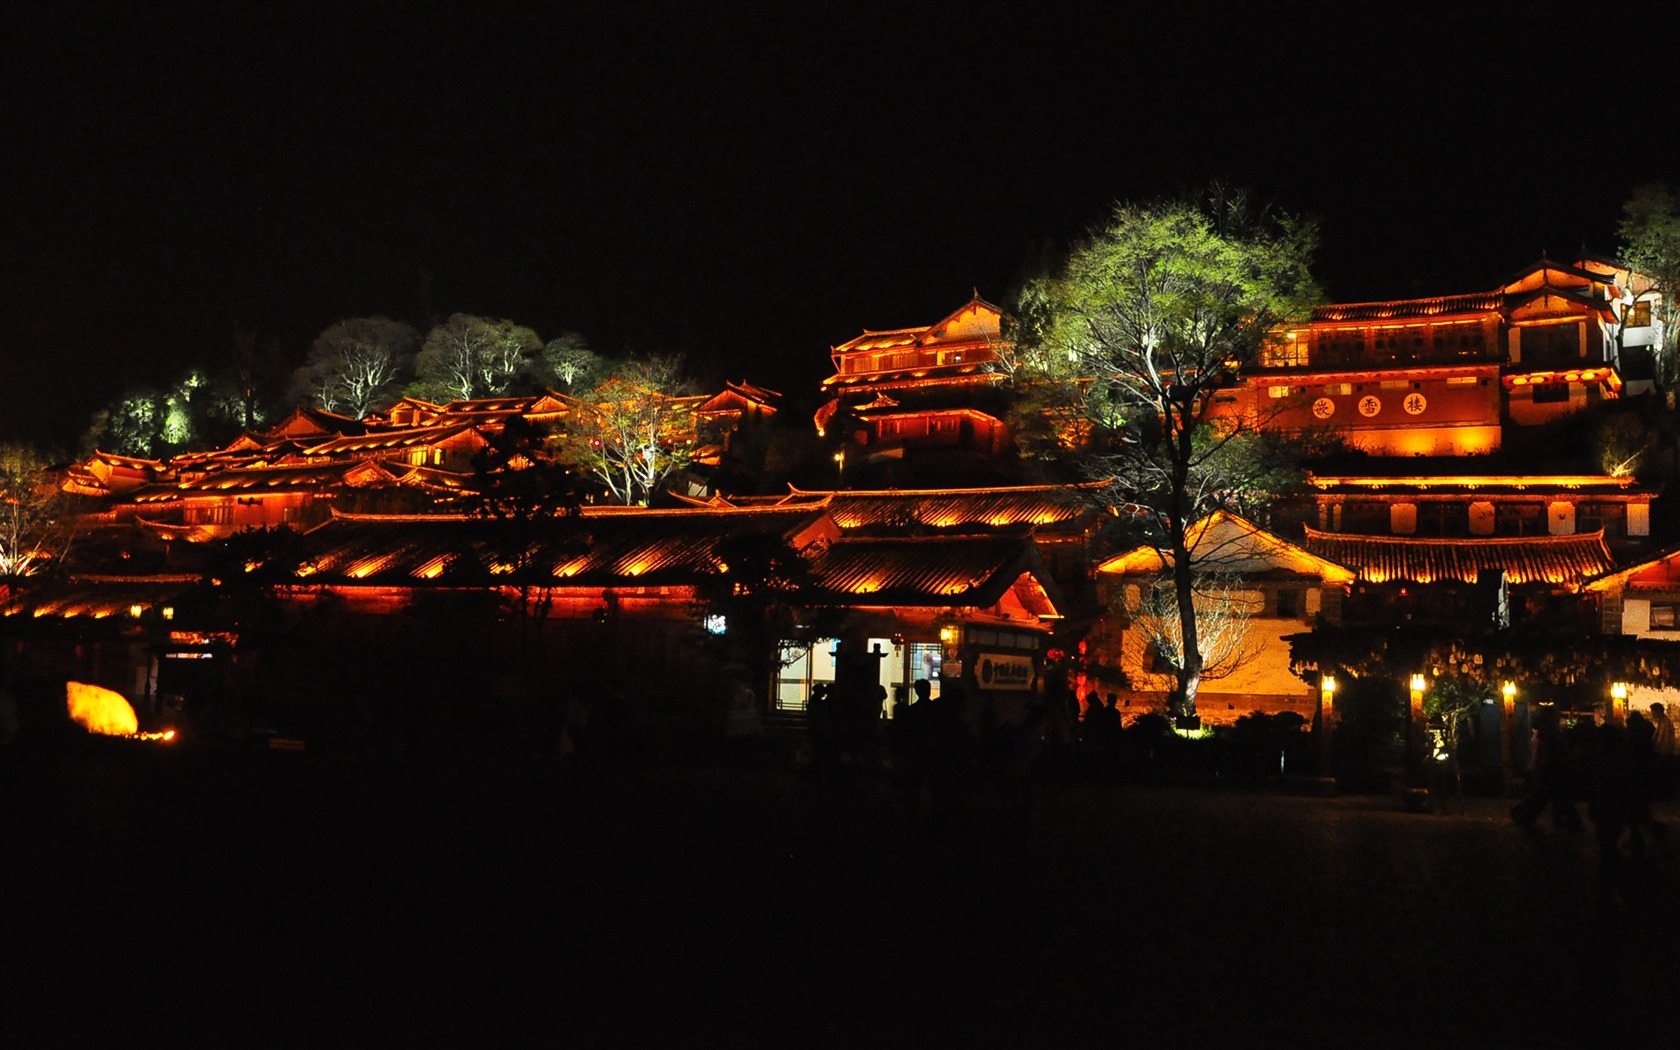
<point x="1402" y="519"/>
<point x="1639" y="315"/>
<point x="1665" y="616"/>
<point x="1481" y="519"/>
<point x="1639" y="519"/>
<point x="801" y="669"/>
<point x="1288" y="607"/>
<point x="1520" y="519"/>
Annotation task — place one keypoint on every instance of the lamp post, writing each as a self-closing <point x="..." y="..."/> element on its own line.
<point x="1618" y="702"/>
<point x="1327" y="734"/>
<point x="1417" y="735"/>
<point x="1507" y="746"/>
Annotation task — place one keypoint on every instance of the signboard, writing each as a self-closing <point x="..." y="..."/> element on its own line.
<point x="1004" y="671"/>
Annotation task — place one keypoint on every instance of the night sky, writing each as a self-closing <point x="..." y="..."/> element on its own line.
<point x="749" y="184"/>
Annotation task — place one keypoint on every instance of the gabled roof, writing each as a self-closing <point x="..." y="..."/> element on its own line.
<point x="736" y="397"/>
<point x="306" y="421"/>
<point x="1543" y="271"/>
<point x="1562" y="561"/>
<point x="524" y="405"/>
<point x="1550" y="297"/>
<point x="963" y="571"/>
<point x="1238" y="547"/>
<point x="976" y="321"/>
<point x="1660" y="572"/>
<point x="394" y="440"/>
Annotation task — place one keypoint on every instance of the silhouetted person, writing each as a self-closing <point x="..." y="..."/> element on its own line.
<point x="1057" y="732"/>
<point x="909" y="739"/>
<point x="950" y="752"/>
<point x="1101" y="733"/>
<point x="1549" y="776"/>
<point x="822" y="723"/>
<point x="1611" y="802"/>
<point x="1640" y="763"/>
<point x="1662" y="744"/>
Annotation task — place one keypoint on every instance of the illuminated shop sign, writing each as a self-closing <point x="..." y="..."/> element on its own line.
<point x="1000" y="671"/>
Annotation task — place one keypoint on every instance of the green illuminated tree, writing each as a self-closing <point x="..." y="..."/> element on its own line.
<point x="354" y="366"/>
<point x="634" y="429"/>
<point x="470" y="357"/>
<point x="1650" y="233"/>
<point x="1128" y="351"/>
<point x="33" y="526"/>
<point x="568" y="363"/>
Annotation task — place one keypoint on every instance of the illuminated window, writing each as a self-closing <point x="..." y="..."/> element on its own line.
<point x="1639" y="316"/>
<point x="1665" y="616"/>
<point x="801" y="669"/>
<point x="1639" y="519"/>
<point x="1482" y="519"/>
<point x="1402" y="519"/>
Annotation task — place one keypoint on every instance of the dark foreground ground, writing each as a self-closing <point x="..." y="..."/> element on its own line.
<point x="156" y="897"/>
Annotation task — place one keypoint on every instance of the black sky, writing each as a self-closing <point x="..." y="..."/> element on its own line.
<point x="748" y="184"/>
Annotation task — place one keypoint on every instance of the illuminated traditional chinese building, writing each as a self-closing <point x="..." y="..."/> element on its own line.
<point x="1442" y="375"/>
<point x="1274" y="589"/>
<point x="919" y="389"/>
<point x="608" y="601"/>
<point x="1485" y="505"/>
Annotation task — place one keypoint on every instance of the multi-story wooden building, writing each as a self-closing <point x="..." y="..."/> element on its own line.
<point x="909" y="390"/>
<point x="1443" y="375"/>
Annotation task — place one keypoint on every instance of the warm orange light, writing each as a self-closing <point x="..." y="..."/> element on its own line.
<point x="1419" y="683"/>
<point x="99" y="710"/>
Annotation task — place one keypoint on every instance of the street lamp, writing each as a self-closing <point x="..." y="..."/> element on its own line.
<point x="1417" y="733"/>
<point x="1618" y="702"/>
<point x="1507" y="726"/>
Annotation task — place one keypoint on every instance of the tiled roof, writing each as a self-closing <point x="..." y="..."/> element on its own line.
<point x="94" y="597"/>
<point x="1558" y="560"/>
<point x="953" y="508"/>
<point x="632" y="548"/>
<point x="678" y="548"/>
<point x="1438" y="306"/>
<point x="1659" y="572"/>
<point x="925" y="570"/>
<point x="389" y="440"/>
<point x="919" y="375"/>
<point x="292" y="478"/>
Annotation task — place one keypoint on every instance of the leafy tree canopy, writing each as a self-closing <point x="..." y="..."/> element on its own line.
<point x="472" y="357"/>
<point x="355" y="366"/>
<point x="1650" y="233"/>
<point x="1128" y="351"/>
